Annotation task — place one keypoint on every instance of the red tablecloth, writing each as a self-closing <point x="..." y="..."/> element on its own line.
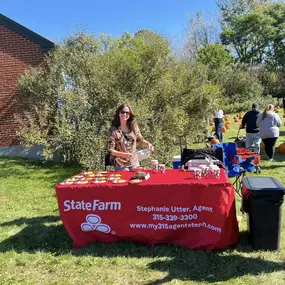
<point x="172" y="208"/>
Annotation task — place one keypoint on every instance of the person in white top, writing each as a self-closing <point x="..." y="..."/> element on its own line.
<point x="219" y="114"/>
<point x="219" y="125"/>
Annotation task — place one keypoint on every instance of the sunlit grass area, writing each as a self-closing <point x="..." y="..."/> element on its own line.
<point x="35" y="248"/>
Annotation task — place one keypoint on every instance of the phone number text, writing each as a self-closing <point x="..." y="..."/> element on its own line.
<point x="158" y="217"/>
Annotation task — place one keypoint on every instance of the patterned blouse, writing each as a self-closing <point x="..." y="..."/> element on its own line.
<point x="124" y="142"/>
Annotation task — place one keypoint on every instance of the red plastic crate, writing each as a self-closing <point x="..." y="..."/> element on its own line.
<point x="246" y="153"/>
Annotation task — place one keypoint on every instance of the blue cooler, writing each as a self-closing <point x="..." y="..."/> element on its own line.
<point x="176" y="161"/>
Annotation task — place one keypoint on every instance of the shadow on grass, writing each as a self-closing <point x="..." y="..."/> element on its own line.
<point x="208" y="268"/>
<point x="216" y="266"/>
<point x="36" y="236"/>
<point x="182" y="263"/>
<point x="272" y="166"/>
<point x="31" y="221"/>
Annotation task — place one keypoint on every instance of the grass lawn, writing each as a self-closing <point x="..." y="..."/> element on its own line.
<point x="35" y="248"/>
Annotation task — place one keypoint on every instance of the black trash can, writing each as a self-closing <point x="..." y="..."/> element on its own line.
<point x="262" y="200"/>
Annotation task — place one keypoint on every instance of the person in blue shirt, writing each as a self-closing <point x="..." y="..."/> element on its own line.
<point x="253" y="139"/>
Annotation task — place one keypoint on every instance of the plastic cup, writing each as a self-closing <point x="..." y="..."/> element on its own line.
<point x="154" y="165"/>
<point x="215" y="170"/>
<point x="204" y="169"/>
<point x="162" y="168"/>
<point x="198" y="173"/>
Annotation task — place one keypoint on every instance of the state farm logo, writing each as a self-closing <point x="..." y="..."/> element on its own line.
<point x="95" y="205"/>
<point x="93" y="223"/>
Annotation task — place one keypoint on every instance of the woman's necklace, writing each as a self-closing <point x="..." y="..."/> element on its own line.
<point x="126" y="138"/>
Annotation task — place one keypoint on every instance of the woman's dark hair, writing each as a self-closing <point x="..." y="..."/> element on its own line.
<point x="130" y="123"/>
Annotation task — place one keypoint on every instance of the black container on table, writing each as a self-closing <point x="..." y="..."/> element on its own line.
<point x="262" y="200"/>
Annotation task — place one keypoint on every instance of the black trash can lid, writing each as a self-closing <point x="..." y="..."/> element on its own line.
<point x="262" y="183"/>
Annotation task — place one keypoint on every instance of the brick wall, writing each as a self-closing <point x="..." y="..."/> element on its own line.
<point x="16" y="54"/>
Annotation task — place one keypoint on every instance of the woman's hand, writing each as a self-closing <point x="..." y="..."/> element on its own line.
<point x="126" y="155"/>
<point x="145" y="143"/>
<point x="150" y="147"/>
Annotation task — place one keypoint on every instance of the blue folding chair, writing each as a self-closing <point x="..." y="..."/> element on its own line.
<point x="235" y="170"/>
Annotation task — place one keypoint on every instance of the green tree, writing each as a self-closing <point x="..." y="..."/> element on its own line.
<point x="92" y="76"/>
<point x="215" y="57"/>
<point x="243" y="86"/>
<point x="255" y="31"/>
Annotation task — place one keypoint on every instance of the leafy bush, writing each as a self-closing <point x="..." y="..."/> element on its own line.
<point x="71" y="99"/>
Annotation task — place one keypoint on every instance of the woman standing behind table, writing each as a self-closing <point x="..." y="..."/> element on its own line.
<point x="123" y="137"/>
<point x="268" y="123"/>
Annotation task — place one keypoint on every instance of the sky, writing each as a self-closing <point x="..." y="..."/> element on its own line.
<point x="56" y="20"/>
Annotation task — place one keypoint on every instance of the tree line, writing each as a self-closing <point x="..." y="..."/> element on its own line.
<point x="71" y="99"/>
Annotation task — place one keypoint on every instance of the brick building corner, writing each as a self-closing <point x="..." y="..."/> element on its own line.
<point x="20" y="48"/>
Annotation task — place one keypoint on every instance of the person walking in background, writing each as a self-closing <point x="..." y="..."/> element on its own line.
<point x="283" y="101"/>
<point x="249" y="121"/>
<point x="123" y="136"/>
<point x="269" y="123"/>
<point x="219" y="125"/>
